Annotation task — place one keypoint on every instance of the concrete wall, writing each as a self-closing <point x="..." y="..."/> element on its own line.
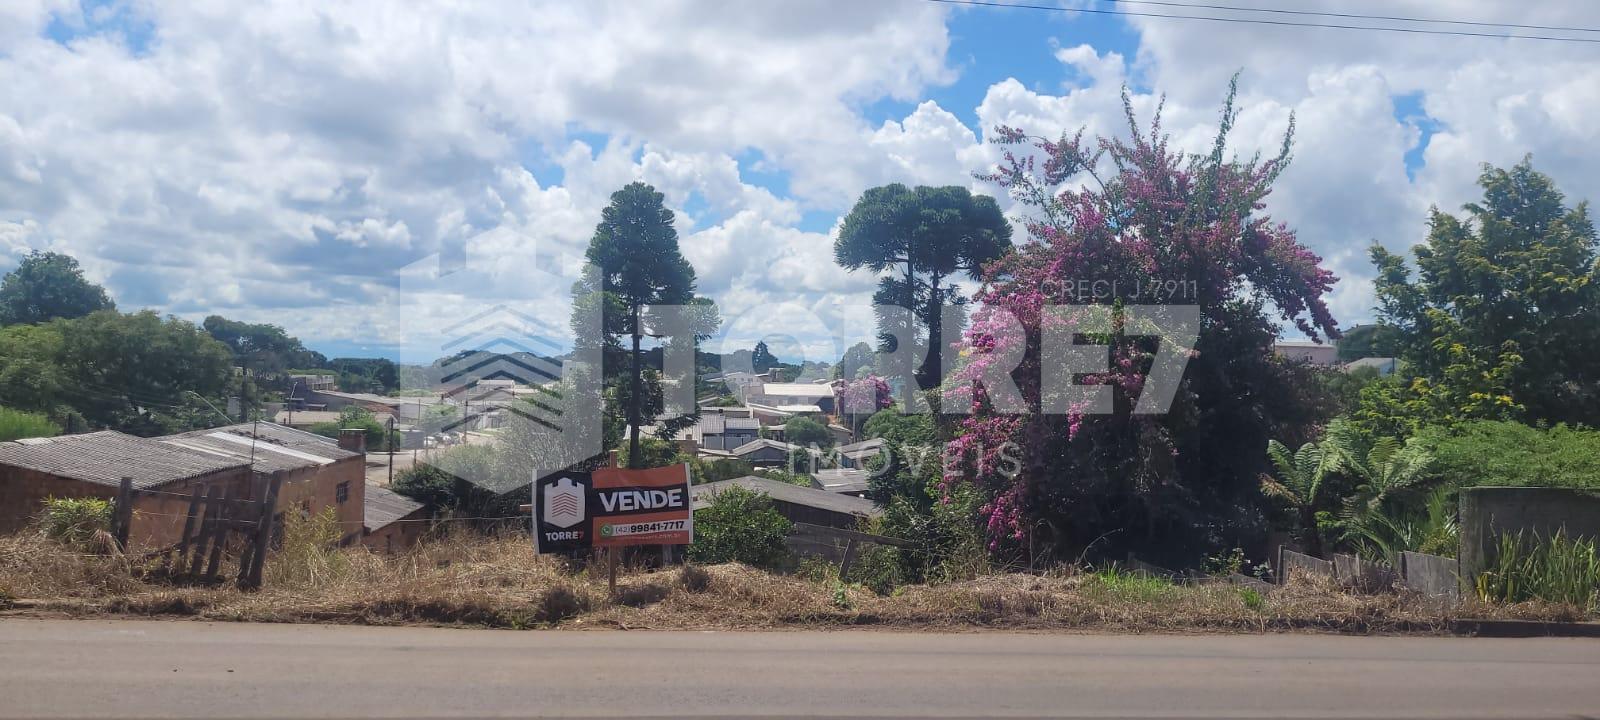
<point x="1490" y="512"/>
<point x="1431" y="575"/>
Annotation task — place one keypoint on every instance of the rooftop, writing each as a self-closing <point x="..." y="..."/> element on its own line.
<point x="276" y="448"/>
<point x="384" y="506"/>
<point x="842" y="481"/>
<point x="797" y="390"/>
<point x="107" y="456"/>
<point x="785" y="492"/>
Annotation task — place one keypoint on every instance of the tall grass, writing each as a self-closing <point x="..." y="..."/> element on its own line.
<point x="1558" y="569"/>
<point x="310" y="555"/>
<point x="15" y="425"/>
<point x="78" y="522"/>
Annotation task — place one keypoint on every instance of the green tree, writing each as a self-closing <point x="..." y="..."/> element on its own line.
<point x="261" y="347"/>
<point x="1364" y="341"/>
<point x="805" y="432"/>
<point x="858" y="361"/>
<point x="762" y="359"/>
<point x="636" y="250"/>
<point x="134" y="372"/>
<point x="31" y="376"/>
<point x="923" y="237"/>
<point x="47" y="286"/>
<point x="1500" y="320"/>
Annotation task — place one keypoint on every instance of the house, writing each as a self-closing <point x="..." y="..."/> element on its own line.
<point x="312" y="382"/>
<point x="1316" y="353"/>
<point x="856" y="454"/>
<point x="797" y="503"/>
<point x="92" y="465"/>
<point x="791" y="396"/>
<point x="762" y="452"/>
<point x="843" y="481"/>
<point x="392" y="522"/>
<point x="316" y="473"/>
<point x="1384" y="365"/>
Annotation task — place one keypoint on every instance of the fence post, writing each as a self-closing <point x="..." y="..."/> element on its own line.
<point x="263" y="539"/>
<point x="123" y="515"/>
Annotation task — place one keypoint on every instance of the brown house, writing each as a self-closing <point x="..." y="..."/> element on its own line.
<point x="393" y="521"/>
<point x="316" y="473"/>
<point x="93" y="465"/>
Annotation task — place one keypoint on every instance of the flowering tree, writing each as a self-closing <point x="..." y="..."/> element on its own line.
<point x="860" y="398"/>
<point x="1139" y="224"/>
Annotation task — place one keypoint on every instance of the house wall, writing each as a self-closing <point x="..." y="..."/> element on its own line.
<point x="158" y="515"/>
<point x="398" y="536"/>
<point x="315" y="489"/>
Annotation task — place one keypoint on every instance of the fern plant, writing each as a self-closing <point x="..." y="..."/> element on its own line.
<point x="1301" y="474"/>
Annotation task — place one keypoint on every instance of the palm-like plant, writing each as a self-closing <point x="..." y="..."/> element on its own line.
<point x="1301" y="475"/>
<point x="1388" y="469"/>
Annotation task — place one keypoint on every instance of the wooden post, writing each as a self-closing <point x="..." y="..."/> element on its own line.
<point x="219" y="533"/>
<point x="204" y="536"/>
<point x="849" y="558"/>
<point x="263" y="539"/>
<point x="249" y="513"/>
<point x="188" y="532"/>
<point x="122" y="516"/>
<point x="611" y="569"/>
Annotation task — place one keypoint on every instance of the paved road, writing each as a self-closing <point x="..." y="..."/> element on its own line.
<point x="191" y="669"/>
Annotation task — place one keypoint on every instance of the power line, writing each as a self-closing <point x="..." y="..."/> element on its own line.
<point x="1260" y="21"/>
<point x="1353" y="16"/>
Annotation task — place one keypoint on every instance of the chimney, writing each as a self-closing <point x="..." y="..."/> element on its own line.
<point x="353" y="439"/>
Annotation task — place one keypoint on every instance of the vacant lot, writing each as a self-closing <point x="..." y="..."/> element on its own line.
<point x="499" y="582"/>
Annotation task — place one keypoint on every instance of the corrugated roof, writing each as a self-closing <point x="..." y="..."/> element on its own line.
<point x="276" y="448"/>
<point x="105" y="457"/>
<point x="785" y="492"/>
<point x="842" y="481"/>
<point x="385" y="506"/>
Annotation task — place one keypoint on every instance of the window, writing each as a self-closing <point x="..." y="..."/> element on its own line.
<point x="342" y="492"/>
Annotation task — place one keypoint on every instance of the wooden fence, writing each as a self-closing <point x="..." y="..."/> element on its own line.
<point x="215" y="521"/>
<point x="835" y="544"/>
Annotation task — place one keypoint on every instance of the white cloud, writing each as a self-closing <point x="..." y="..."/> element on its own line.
<point x="273" y="161"/>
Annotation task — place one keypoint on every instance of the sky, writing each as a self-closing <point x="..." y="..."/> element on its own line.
<point x="388" y="179"/>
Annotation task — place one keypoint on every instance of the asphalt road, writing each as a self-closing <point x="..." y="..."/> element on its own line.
<point x="189" y="669"/>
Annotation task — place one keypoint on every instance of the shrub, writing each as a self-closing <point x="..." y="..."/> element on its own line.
<point x="740" y="526"/>
<point x="1559" y="570"/>
<point x="879" y="568"/>
<point x="75" y="521"/>
<point x="1487" y="453"/>
<point x="15" y="425"/>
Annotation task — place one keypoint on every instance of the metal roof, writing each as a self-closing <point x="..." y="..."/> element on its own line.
<point x="276" y="448"/>
<point x="107" y="456"/>
<point x="799" y="390"/>
<point x="842" y="481"/>
<point x="384" y="506"/>
<point x="792" y="494"/>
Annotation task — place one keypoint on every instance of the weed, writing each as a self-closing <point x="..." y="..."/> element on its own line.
<point x="694" y="578"/>
<point x="1253" y="599"/>
<point x="1558" y="570"/>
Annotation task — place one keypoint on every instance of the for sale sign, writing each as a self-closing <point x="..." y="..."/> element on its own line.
<point x="573" y="512"/>
<point x="642" y="507"/>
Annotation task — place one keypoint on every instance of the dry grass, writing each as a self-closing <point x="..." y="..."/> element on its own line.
<point x="499" y="582"/>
